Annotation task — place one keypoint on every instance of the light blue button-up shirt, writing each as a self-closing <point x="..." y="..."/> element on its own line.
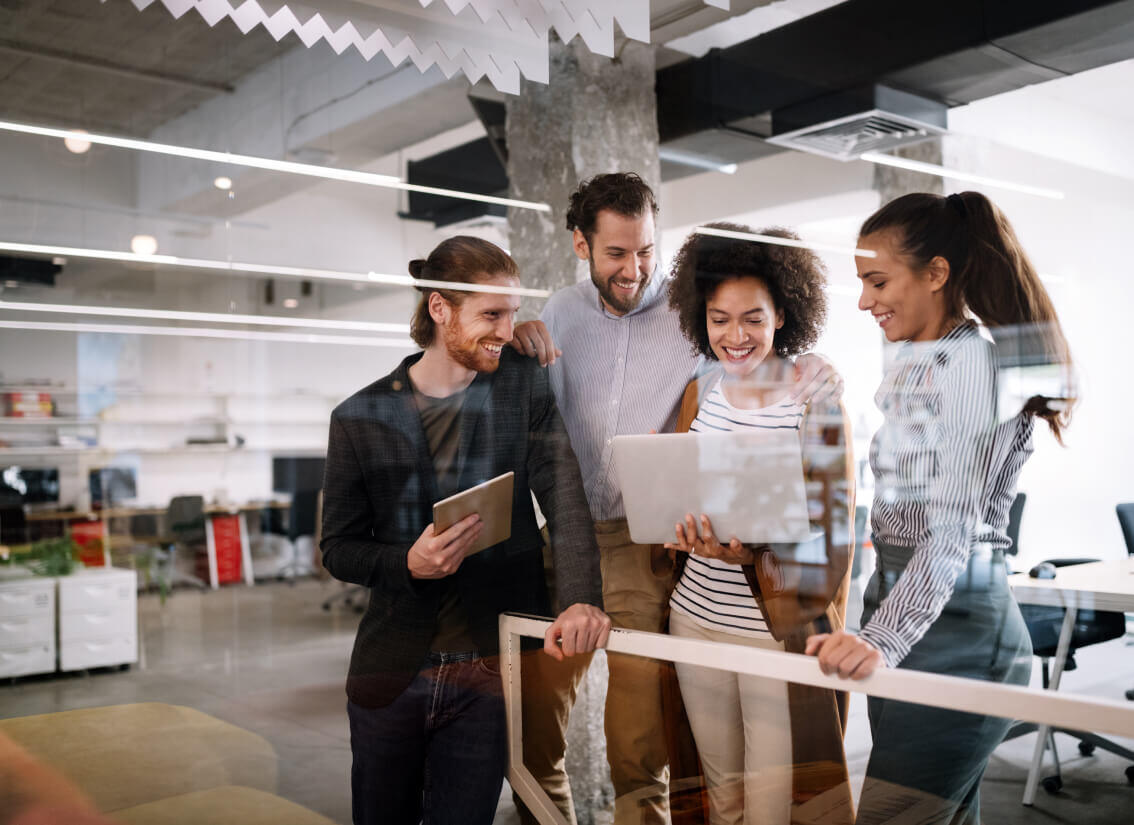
<point x="617" y="376"/>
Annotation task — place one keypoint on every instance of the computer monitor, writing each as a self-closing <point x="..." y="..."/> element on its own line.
<point x="112" y="485"/>
<point x="293" y="474"/>
<point x="29" y="485"/>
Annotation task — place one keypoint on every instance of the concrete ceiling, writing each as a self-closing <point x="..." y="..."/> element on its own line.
<point x="105" y="66"/>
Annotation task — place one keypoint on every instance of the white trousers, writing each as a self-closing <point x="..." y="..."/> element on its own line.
<point x="743" y="733"/>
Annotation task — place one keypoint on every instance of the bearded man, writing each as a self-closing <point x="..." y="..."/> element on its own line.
<point x="425" y="702"/>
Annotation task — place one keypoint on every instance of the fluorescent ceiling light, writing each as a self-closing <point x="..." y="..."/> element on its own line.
<point x="271" y="164"/>
<point x="696" y="161"/>
<point x="204" y="317"/>
<point x="143" y="244"/>
<point x="262" y="269"/>
<point x="772" y="239"/>
<point x="956" y="174"/>
<point x="206" y="332"/>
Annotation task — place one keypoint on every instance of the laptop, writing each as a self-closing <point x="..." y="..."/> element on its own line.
<point x="749" y="483"/>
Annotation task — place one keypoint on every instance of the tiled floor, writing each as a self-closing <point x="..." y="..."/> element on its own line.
<point x="270" y="660"/>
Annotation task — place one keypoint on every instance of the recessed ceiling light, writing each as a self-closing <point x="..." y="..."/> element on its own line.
<point x="222" y="183"/>
<point x="76" y="144"/>
<point x="290" y="303"/>
<point x="143" y="245"/>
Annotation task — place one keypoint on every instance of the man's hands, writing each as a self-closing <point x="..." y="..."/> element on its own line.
<point x="580" y="628"/>
<point x="845" y="654"/>
<point x="816" y="380"/>
<point x="706" y="544"/>
<point x="435" y="557"/>
<point x="532" y="339"/>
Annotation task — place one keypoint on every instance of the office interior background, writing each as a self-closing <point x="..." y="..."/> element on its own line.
<point x="263" y="294"/>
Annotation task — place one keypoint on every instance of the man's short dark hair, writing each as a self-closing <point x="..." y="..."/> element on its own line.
<point x="795" y="278"/>
<point x="621" y="192"/>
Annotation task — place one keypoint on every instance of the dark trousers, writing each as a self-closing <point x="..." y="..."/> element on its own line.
<point x="932" y="760"/>
<point x="438" y="753"/>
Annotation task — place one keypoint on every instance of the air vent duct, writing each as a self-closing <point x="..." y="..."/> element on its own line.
<point x="845" y="125"/>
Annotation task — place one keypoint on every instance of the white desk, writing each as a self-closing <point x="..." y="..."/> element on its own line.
<point x="1101" y="585"/>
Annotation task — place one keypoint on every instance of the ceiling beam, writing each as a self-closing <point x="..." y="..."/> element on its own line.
<point x="36" y="51"/>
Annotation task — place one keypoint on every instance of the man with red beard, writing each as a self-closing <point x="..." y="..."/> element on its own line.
<point x="424" y="692"/>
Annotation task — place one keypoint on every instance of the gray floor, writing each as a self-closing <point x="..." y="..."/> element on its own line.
<point x="269" y="659"/>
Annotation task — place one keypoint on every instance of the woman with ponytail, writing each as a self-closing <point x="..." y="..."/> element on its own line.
<point x="946" y="467"/>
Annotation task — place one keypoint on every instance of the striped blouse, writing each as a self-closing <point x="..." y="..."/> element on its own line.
<point x="945" y="473"/>
<point x="711" y="592"/>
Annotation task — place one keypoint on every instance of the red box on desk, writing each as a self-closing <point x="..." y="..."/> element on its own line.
<point x="28" y="405"/>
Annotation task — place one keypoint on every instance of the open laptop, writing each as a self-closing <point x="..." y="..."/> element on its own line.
<point x="749" y="483"/>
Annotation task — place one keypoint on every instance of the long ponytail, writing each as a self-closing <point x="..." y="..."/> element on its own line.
<point x="990" y="276"/>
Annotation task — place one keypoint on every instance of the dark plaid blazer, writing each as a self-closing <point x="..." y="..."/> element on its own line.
<point x="378" y="494"/>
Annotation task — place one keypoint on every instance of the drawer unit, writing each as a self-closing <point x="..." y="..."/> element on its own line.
<point x="108" y="650"/>
<point x="27" y="597"/>
<point x="98" y="589"/>
<point x="28" y="659"/>
<point x="22" y="630"/>
<point x="27" y="626"/>
<point x="94" y="624"/>
<point x="98" y="618"/>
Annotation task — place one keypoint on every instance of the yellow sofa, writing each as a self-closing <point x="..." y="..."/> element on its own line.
<point x="157" y="764"/>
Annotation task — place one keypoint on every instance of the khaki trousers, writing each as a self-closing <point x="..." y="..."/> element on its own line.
<point x="549" y="691"/>
<point x="635" y="588"/>
<point x="634" y="596"/>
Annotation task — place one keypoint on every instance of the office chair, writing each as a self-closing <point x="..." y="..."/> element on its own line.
<point x="349" y="592"/>
<point x="186" y="521"/>
<point x="1044" y="624"/>
<point x="14" y="526"/>
<point x="1125" y="512"/>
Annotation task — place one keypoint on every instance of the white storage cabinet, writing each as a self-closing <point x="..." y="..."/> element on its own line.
<point x="27" y="626"/>
<point x="98" y="618"/>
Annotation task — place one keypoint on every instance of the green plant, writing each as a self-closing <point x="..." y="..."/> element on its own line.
<point x="51" y="557"/>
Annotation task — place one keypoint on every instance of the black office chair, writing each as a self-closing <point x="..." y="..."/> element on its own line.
<point x="186" y="520"/>
<point x="14" y="526"/>
<point x="1044" y="625"/>
<point x="1125" y="512"/>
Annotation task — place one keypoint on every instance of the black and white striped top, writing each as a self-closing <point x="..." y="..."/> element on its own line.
<point x="945" y="473"/>
<point x="711" y="592"/>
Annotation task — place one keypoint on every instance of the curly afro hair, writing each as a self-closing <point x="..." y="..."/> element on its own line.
<point x="796" y="279"/>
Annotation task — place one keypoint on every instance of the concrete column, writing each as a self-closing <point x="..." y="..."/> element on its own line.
<point x="595" y="115"/>
<point x="891" y="183"/>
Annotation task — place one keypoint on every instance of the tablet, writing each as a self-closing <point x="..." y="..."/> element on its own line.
<point x="492" y="500"/>
<point x="748" y="482"/>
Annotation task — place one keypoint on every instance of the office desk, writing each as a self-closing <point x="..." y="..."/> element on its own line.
<point x="224" y="523"/>
<point x="1100" y="585"/>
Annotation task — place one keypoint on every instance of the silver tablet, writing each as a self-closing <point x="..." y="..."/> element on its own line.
<point x="749" y="483"/>
<point x="492" y="500"/>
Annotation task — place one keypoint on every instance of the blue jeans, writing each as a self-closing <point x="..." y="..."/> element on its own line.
<point x="437" y="754"/>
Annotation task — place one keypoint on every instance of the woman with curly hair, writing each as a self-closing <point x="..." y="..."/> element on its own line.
<point x="763" y="744"/>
